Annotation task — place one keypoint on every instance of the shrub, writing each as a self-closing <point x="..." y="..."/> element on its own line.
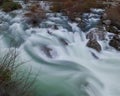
<point x="12" y="81"/>
<point x="35" y="14"/>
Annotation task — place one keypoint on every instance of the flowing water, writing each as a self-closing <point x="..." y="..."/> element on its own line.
<point x="65" y="65"/>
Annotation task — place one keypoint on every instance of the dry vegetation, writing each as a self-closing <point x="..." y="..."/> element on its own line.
<point x="12" y="81"/>
<point x="35" y="14"/>
<point x="73" y="8"/>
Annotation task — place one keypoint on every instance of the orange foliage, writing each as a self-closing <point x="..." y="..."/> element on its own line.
<point x="35" y="14"/>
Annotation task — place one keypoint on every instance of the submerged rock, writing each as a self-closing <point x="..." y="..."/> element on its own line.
<point x="94" y="55"/>
<point x="55" y="27"/>
<point x="63" y="41"/>
<point x="46" y="51"/>
<point x="94" y="44"/>
<point x="115" y="42"/>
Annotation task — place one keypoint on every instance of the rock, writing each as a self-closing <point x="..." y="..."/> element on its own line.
<point x="94" y="55"/>
<point x="63" y="41"/>
<point x="116" y="23"/>
<point x="77" y="19"/>
<point x="112" y="29"/>
<point x="46" y="50"/>
<point x="55" y="27"/>
<point x="96" y="33"/>
<point x="94" y="44"/>
<point x="107" y="22"/>
<point x="104" y="16"/>
<point x="115" y="42"/>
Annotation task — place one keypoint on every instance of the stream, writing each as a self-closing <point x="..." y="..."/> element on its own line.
<point x="66" y="66"/>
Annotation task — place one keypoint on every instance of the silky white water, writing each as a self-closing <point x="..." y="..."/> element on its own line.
<point x="66" y="66"/>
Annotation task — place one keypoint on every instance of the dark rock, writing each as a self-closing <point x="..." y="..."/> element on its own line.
<point x="96" y="33"/>
<point x="115" y="42"/>
<point x="112" y="29"/>
<point x="55" y="27"/>
<point x="46" y="50"/>
<point x="94" y="55"/>
<point x="63" y="41"/>
<point x="116" y="23"/>
<point x="94" y="44"/>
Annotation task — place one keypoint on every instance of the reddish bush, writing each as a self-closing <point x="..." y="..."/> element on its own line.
<point x="35" y="14"/>
<point x="73" y="7"/>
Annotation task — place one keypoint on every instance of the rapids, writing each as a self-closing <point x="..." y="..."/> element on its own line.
<point x="65" y="65"/>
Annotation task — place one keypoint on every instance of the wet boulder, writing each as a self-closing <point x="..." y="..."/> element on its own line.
<point x="104" y="16"/>
<point x="112" y="29"/>
<point x="94" y="45"/>
<point x="111" y="19"/>
<point x="46" y="51"/>
<point x="96" y="33"/>
<point x="116" y="23"/>
<point x="107" y="22"/>
<point x="55" y="27"/>
<point x="115" y="42"/>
